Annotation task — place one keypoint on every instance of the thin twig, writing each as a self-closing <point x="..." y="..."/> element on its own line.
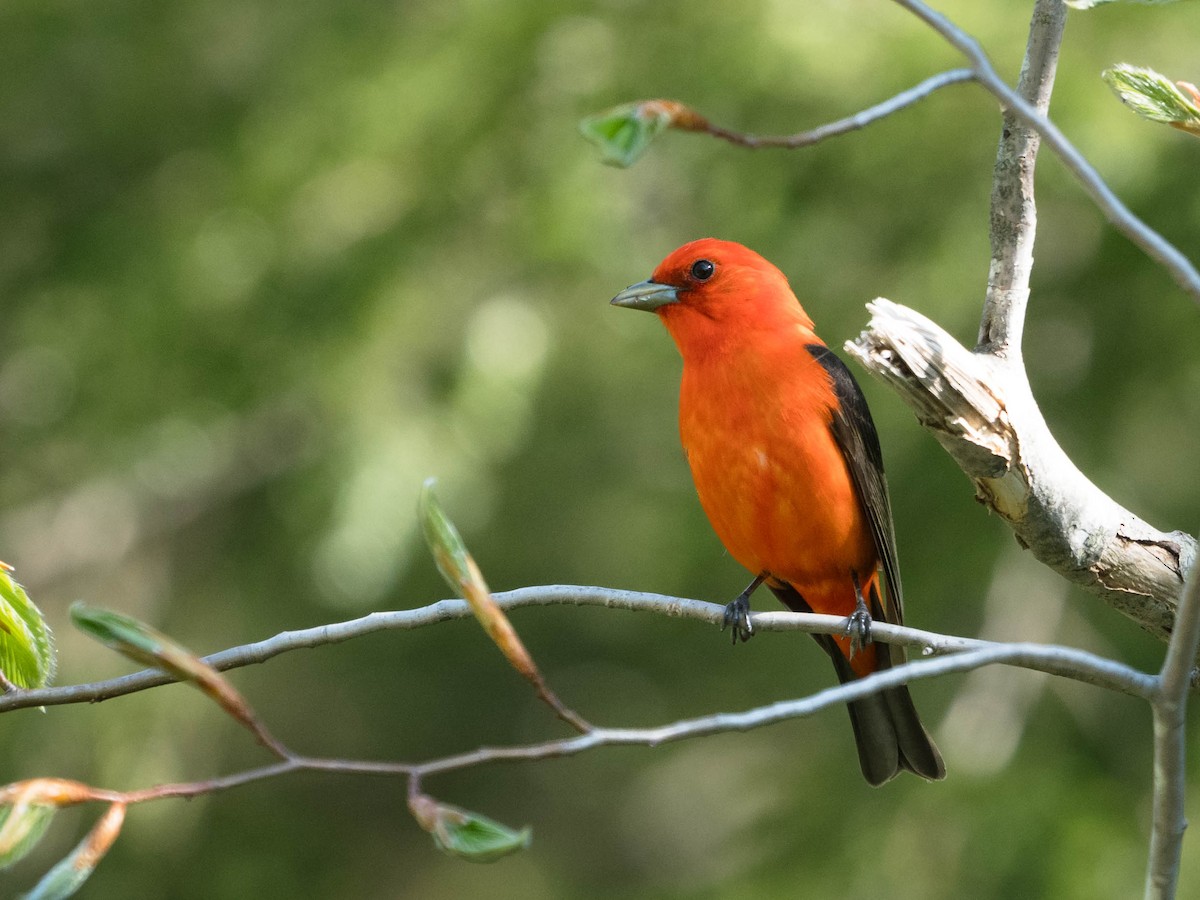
<point x="1152" y="243"/>
<point x="979" y="404"/>
<point x="337" y="632"/>
<point x="1013" y="227"/>
<point x="1067" y="663"/>
<point x="1021" y="655"/>
<point x="547" y="695"/>
<point x="842" y="126"/>
<point x="1099" y="671"/>
<point x="188" y="789"/>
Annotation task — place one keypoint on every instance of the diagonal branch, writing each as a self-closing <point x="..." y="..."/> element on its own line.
<point x="1155" y="245"/>
<point x="1032" y="656"/>
<point x="981" y="408"/>
<point x="1073" y="663"/>
<point x="979" y="404"/>
<point x="1096" y="670"/>
<point x="988" y="422"/>
<point x="851" y="123"/>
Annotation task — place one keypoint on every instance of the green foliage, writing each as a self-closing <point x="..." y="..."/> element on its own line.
<point x="63" y="880"/>
<point x="477" y="838"/>
<point x="141" y="643"/>
<point x="446" y="544"/>
<point x="462" y="574"/>
<point x="22" y="826"/>
<point x="26" y="645"/>
<point x="122" y="633"/>
<point x="623" y="133"/>
<point x="69" y="874"/>
<point x="1155" y="97"/>
<point x="465" y="834"/>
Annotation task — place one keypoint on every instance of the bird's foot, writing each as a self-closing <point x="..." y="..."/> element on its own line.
<point x="737" y="618"/>
<point x="858" y="623"/>
<point x="737" y="613"/>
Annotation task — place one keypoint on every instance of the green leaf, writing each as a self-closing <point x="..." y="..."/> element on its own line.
<point x="1154" y="96"/>
<point x="479" y="839"/>
<point x="60" y="882"/>
<point x="151" y="647"/>
<point x="624" y="132"/>
<point x="122" y="633"/>
<point x="446" y="544"/>
<point x="142" y="643"/>
<point x="460" y="571"/>
<point x="22" y="825"/>
<point x="77" y="866"/>
<point x="26" y="645"/>
<point x="466" y="834"/>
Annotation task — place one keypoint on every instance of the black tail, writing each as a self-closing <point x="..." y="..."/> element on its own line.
<point x="887" y="729"/>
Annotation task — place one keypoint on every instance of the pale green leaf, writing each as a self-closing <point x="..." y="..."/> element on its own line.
<point x="60" y="882"/>
<point x="22" y="825"/>
<point x="76" y="867"/>
<point x="122" y="633"/>
<point x="466" y="834"/>
<point x="26" y="646"/>
<point x="479" y="839"/>
<point x="446" y="544"/>
<point x="1153" y="96"/>
<point x="151" y="647"/>
<point x="624" y="133"/>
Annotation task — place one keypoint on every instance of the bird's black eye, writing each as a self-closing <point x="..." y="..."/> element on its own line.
<point x="702" y="269"/>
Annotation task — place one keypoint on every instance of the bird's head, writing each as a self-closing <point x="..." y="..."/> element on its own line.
<point x="711" y="291"/>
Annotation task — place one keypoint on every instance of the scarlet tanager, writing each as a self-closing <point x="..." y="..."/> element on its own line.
<point x="787" y="464"/>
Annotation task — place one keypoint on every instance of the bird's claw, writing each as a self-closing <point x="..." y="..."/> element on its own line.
<point x="737" y="617"/>
<point x="858" y="626"/>
<point x="858" y="623"/>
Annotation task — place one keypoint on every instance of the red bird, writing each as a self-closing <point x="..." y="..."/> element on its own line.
<point x="787" y="464"/>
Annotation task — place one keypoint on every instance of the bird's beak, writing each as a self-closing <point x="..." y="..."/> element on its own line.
<point x="647" y="295"/>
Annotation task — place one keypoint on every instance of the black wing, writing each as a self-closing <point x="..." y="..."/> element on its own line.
<point x="855" y="433"/>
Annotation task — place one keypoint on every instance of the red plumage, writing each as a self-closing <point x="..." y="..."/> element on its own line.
<point x="787" y="465"/>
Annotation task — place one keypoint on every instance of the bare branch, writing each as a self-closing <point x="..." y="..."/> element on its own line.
<point x="989" y="423"/>
<point x="1032" y="656"/>
<point x="1170" y="746"/>
<point x="209" y="785"/>
<point x="1013" y="210"/>
<point x="1154" y="245"/>
<point x="1086" y="668"/>
<point x="1075" y="663"/>
<point x="1062" y="660"/>
<point x="323" y="635"/>
<point x="979" y="405"/>
<point x="842" y="126"/>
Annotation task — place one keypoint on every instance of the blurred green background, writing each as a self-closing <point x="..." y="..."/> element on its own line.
<point x="265" y="267"/>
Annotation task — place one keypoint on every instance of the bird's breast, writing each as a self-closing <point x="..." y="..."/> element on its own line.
<point x="770" y="474"/>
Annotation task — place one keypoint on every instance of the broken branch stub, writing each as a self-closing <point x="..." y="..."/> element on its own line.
<point x="980" y="408"/>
